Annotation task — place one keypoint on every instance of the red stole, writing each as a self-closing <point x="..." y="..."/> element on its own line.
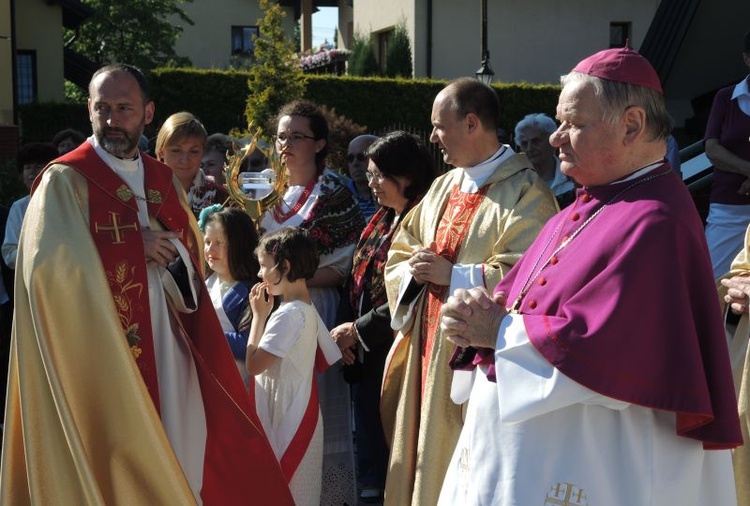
<point x="237" y="452"/>
<point x="115" y="229"/>
<point x="456" y="220"/>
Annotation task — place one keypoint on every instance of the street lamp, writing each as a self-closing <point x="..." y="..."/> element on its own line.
<point x="485" y="73"/>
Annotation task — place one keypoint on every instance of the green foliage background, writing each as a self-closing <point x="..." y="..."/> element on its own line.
<point x="275" y="78"/>
<point x="398" y="62"/>
<point x="135" y="31"/>
<point x="218" y="98"/>
<point x="362" y="60"/>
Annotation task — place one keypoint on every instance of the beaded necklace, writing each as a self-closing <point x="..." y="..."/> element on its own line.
<point x="281" y="217"/>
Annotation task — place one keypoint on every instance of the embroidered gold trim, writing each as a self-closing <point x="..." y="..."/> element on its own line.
<point x="124" y="193"/>
<point x="121" y="282"/>
<point x="154" y="196"/>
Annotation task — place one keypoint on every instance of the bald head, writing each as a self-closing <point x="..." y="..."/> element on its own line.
<point x="361" y="142"/>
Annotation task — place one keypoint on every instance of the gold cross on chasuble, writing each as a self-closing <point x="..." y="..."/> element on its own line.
<point x="116" y="227"/>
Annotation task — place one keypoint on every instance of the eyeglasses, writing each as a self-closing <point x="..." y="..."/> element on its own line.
<point x="293" y="138"/>
<point x="375" y="176"/>
<point x="360" y="157"/>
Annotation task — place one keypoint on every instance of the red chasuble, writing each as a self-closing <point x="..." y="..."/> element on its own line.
<point x="239" y="464"/>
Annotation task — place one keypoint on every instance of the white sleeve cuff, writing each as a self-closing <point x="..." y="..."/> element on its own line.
<point x="403" y="312"/>
<point x="359" y="337"/>
<point x="466" y="276"/>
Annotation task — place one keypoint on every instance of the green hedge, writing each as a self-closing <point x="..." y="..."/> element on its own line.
<point x="217" y="97"/>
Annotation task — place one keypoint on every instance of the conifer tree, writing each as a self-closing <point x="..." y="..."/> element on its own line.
<point x="398" y="62"/>
<point x="362" y="61"/>
<point x="276" y="77"/>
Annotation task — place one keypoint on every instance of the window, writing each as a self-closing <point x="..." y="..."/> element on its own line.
<point x="242" y="39"/>
<point x="619" y="33"/>
<point x="27" y="79"/>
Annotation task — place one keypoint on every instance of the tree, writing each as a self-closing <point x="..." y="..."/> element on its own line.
<point x="137" y="32"/>
<point x="276" y="77"/>
<point x="398" y="62"/>
<point x="362" y="61"/>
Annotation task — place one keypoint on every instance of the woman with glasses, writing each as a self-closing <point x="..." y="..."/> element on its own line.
<point x="318" y="200"/>
<point x="399" y="172"/>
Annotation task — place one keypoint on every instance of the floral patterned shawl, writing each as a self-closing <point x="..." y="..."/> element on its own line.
<point x="371" y="254"/>
<point x="336" y="220"/>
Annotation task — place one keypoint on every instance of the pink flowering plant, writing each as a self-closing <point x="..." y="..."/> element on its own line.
<point x="326" y="55"/>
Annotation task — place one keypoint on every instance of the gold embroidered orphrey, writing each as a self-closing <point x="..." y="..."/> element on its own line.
<point x="124" y="193"/>
<point x="115" y="227"/>
<point x="121" y="282"/>
<point x="565" y="494"/>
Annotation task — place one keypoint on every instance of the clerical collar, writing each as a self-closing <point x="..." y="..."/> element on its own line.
<point x="476" y="176"/>
<point x="127" y="165"/>
<point x="640" y="172"/>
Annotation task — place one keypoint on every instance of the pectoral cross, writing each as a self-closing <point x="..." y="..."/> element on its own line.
<point x="116" y="227"/>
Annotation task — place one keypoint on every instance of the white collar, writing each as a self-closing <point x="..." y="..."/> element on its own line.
<point x="474" y="177"/>
<point x="113" y="162"/>
<point x="741" y="88"/>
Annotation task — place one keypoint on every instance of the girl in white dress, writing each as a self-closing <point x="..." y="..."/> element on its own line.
<point x="281" y="355"/>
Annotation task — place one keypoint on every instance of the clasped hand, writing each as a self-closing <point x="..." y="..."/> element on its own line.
<point x="472" y="317"/>
<point x="158" y="247"/>
<point x="346" y="338"/>
<point x="426" y="266"/>
<point x="738" y="291"/>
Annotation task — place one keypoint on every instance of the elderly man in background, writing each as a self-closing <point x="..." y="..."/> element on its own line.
<point x="603" y="375"/>
<point x="532" y="138"/>
<point x="356" y="164"/>
<point x="470" y="228"/>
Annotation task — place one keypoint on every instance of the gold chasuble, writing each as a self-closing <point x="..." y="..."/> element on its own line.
<point x="739" y="355"/>
<point x="448" y="240"/>
<point x="488" y="229"/>
<point x="82" y="420"/>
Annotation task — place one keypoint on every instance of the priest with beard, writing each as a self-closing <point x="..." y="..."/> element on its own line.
<point x="122" y="388"/>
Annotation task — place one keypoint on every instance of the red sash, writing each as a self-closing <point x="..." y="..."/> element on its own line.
<point x="455" y="222"/>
